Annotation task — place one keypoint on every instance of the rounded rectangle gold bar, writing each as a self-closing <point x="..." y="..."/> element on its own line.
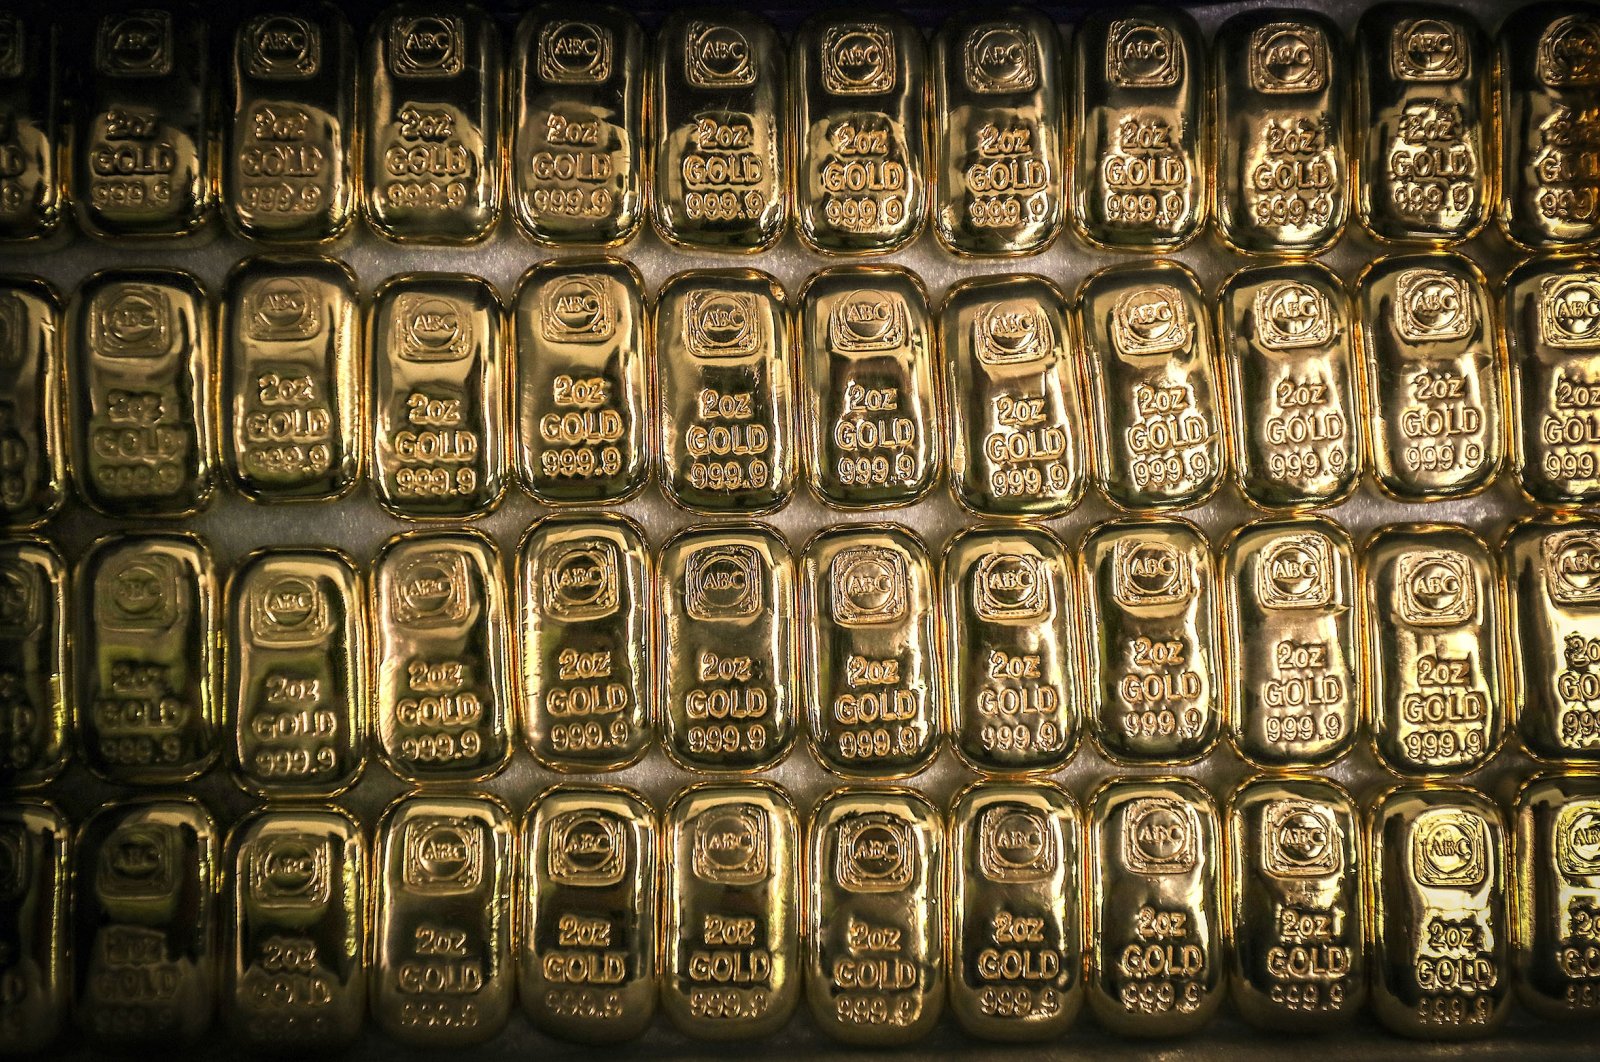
<point x="1555" y="896"/>
<point x="33" y="193"/>
<point x="33" y="476"/>
<point x="36" y="680"/>
<point x="37" y="841"/>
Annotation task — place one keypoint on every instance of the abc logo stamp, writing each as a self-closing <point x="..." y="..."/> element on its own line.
<point x="283" y="47"/>
<point x="723" y="582"/>
<point x="1302" y="841"/>
<point x="574" y="53"/>
<point x="1011" y="331"/>
<point x="721" y="324"/>
<point x="1288" y="57"/>
<point x="1436" y="588"/>
<point x="1428" y="49"/>
<point x="1151" y="320"/>
<point x="427" y="46"/>
<point x="290" y="870"/>
<point x="133" y="321"/>
<point x="1159" y="836"/>
<point x="289" y="610"/>
<point x="1572" y="566"/>
<point x="1010" y="587"/>
<point x="136" y="43"/>
<point x="1150" y="572"/>
<point x="578" y="310"/>
<point x="443" y="855"/>
<point x="138" y="862"/>
<point x="876" y="853"/>
<point x="858" y="59"/>
<point x="1569" y="53"/>
<point x="1016" y="845"/>
<point x="15" y="864"/>
<point x="867" y="322"/>
<point x="731" y="845"/>
<point x="1433" y="305"/>
<point x="1569" y="312"/>
<point x="1296" y="571"/>
<point x="1577" y="836"/>
<point x="580" y="580"/>
<point x="1000" y="57"/>
<point x="431" y="590"/>
<point x="141" y="593"/>
<point x="1292" y="314"/>
<point x="1449" y="848"/>
<point x="718" y="56"/>
<point x="1142" y="55"/>
<point x="282" y="309"/>
<point x="21" y="599"/>
<point x="432" y="328"/>
<point x="869" y="586"/>
<point x="13" y="45"/>
<point x="588" y="849"/>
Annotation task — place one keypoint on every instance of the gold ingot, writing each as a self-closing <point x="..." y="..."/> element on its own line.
<point x="1435" y="688"/>
<point x="583" y="381"/>
<point x="1555" y="896"/>
<point x="860" y="85"/>
<point x="726" y="414"/>
<point x="1432" y="368"/>
<point x="141" y="403"/>
<point x="1441" y="957"/>
<point x="731" y="917"/>
<point x="875" y="932"/>
<point x="587" y="600"/>
<point x="33" y="146"/>
<point x="1158" y="419"/>
<point x="295" y="973"/>
<point x="36" y="842"/>
<point x="438" y="395"/>
<point x="1156" y="965"/>
<point x="1295" y="908"/>
<point x="35" y="664"/>
<point x="433" y="153"/>
<point x="587" y="956"/>
<point x="444" y="666"/>
<point x="1293" y="629"/>
<point x="578" y="85"/>
<point x="1291" y="377"/>
<point x="728" y="647"/>
<point x="144" y="950"/>
<point x="1147" y="590"/>
<point x="442" y="969"/>
<point x="33" y="461"/>
<point x="999" y="165"/>
<point x="292" y="378"/>
<point x="1016" y="939"/>
<point x="146" y="658"/>
<point x="721" y="109"/>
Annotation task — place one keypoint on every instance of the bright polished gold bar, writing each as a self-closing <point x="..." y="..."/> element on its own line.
<point x="578" y="83"/>
<point x="146" y="658"/>
<point x="1016" y="404"/>
<point x="33" y="461"/>
<point x="875" y="972"/>
<point x="720" y="97"/>
<point x="583" y="381"/>
<point x="141" y="403"/>
<point x="35" y="846"/>
<point x="1293" y="629"/>
<point x="587" y="956"/>
<point x="1432" y="376"/>
<point x="1555" y="896"/>
<point x="1441" y="958"/>
<point x="728" y="647"/>
<point x="726" y="414"/>
<point x="999" y="110"/>
<point x="587" y="599"/>
<point x="1291" y="376"/>
<point x="731" y="916"/>
<point x="868" y="403"/>
<point x="1016" y="940"/>
<point x="438" y="395"/>
<point x="442" y="968"/>
<point x="1158" y="420"/>
<point x="434" y="80"/>
<point x="444" y="667"/>
<point x="292" y="378"/>
<point x="33" y="144"/>
<point x="295" y="972"/>
<point x="1423" y="165"/>
<point x="1156" y="965"/>
<point x="36" y="702"/>
<point x="1147" y="589"/>
<point x="1295" y="904"/>
<point x="1435" y="692"/>
<point x="145" y="925"/>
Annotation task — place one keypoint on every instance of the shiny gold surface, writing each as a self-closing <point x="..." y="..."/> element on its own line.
<point x="36" y="702"/>
<point x="36" y="844"/>
<point x="33" y="135"/>
<point x="1555" y="896"/>
<point x="33" y="460"/>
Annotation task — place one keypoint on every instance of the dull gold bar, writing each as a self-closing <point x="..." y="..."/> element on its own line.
<point x="33" y="461"/>
<point x="1555" y="896"/>
<point x="33" y="136"/>
<point x="36" y="846"/>
<point x="36" y="702"/>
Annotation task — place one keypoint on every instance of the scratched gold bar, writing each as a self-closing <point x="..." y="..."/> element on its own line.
<point x="295" y="972"/>
<point x="586" y="587"/>
<point x="36" y="702"/>
<point x="145" y="925"/>
<point x="442" y="970"/>
<point x="1555" y="896"/>
<point x="36" y="843"/>
<point x="587" y="956"/>
<point x="33" y="139"/>
<point x="33" y="461"/>
<point x="875" y="936"/>
<point x="731" y="916"/>
<point x="578" y="84"/>
<point x="1437" y="885"/>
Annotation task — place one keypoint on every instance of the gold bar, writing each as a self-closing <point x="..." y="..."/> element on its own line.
<point x="33" y="139"/>
<point x="35" y="847"/>
<point x="35" y="665"/>
<point x="438" y="395"/>
<point x="1435" y="692"/>
<point x="1293" y="629"/>
<point x="588" y="673"/>
<point x="442" y="968"/>
<point x="860" y="88"/>
<point x="1015" y="947"/>
<point x="1291" y="378"/>
<point x="728" y="647"/>
<point x="731" y="917"/>
<point x="588" y="953"/>
<point x="583" y="381"/>
<point x="1555" y="896"/>
<point x="1295" y="904"/>
<point x="33" y="462"/>
<point x="1423" y="168"/>
<point x="443" y="675"/>
<point x="146" y="657"/>
<point x="1437" y="881"/>
<point x="292" y="378"/>
<point x="578" y="86"/>
<point x="145" y="925"/>
<point x="297" y="665"/>
<point x="726" y="414"/>
<point x="1156" y="964"/>
<point x="1158" y="421"/>
<point x="295" y="974"/>
<point x="141" y="402"/>
<point x="875" y="972"/>
<point x="1432" y="376"/>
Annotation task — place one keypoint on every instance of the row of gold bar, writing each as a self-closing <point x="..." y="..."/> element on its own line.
<point x="860" y="133"/>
